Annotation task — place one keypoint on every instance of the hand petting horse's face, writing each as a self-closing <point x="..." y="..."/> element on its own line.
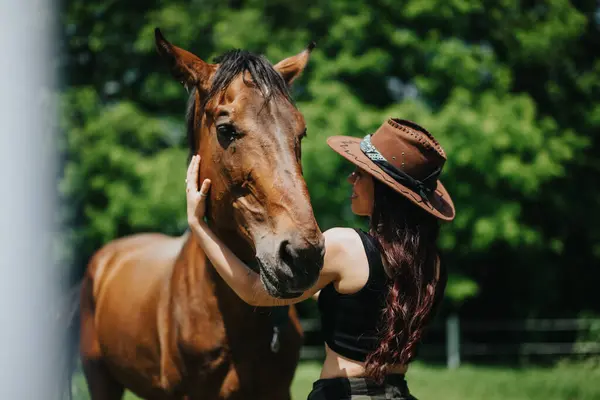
<point x="249" y="134"/>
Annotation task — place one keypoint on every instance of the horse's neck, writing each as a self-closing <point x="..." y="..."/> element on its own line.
<point x="206" y="276"/>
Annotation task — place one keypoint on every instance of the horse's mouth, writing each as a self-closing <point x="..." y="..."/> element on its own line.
<point x="273" y="287"/>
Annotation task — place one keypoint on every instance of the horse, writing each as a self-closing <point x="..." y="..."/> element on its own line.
<point x="155" y="317"/>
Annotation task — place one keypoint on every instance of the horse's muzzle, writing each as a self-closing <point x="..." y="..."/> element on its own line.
<point x="296" y="267"/>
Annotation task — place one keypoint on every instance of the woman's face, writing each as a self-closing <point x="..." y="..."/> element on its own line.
<point x="362" y="192"/>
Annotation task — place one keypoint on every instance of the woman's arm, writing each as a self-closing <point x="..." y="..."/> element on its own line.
<point x="245" y="282"/>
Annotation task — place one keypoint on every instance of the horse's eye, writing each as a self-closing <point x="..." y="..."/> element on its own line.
<point x="226" y="132"/>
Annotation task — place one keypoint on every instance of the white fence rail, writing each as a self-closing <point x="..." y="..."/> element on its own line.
<point x="456" y="346"/>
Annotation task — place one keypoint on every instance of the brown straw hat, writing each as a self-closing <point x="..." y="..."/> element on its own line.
<point x="404" y="156"/>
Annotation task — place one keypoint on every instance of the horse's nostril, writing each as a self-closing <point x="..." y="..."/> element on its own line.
<point x="300" y="262"/>
<point x="286" y="252"/>
<point x="303" y="254"/>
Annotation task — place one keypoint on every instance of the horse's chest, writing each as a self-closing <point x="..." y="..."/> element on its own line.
<point x="248" y="379"/>
<point x="202" y="336"/>
<point x="238" y="366"/>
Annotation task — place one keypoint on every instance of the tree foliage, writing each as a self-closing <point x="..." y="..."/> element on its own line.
<point x="510" y="88"/>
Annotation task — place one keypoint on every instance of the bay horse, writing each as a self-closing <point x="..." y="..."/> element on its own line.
<point x="155" y="316"/>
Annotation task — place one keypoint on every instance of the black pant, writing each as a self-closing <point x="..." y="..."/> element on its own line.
<point x="393" y="388"/>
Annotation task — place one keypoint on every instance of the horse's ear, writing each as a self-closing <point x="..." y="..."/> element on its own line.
<point x="291" y="67"/>
<point x="187" y="68"/>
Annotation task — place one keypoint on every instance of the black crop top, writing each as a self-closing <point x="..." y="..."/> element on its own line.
<point x="349" y="322"/>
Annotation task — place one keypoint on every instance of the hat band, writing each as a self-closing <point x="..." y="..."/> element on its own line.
<point x="424" y="188"/>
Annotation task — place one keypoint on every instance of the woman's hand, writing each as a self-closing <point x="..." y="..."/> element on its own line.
<point x="196" y="200"/>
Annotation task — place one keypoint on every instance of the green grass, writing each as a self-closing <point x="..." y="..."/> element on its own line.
<point x="562" y="382"/>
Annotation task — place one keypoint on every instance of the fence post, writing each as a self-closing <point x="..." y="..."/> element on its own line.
<point x="452" y="341"/>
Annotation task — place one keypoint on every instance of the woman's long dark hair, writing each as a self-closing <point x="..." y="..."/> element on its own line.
<point x="406" y="236"/>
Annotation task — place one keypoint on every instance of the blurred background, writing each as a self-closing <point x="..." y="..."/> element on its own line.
<point x="510" y="88"/>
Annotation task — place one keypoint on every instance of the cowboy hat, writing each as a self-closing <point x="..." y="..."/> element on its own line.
<point x="405" y="157"/>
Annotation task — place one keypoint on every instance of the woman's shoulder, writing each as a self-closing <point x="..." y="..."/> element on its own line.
<point x="346" y="256"/>
<point x="341" y="237"/>
<point x="342" y="243"/>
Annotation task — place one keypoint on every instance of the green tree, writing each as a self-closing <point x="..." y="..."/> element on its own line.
<point x="511" y="89"/>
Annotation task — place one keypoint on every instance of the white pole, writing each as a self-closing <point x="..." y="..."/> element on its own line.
<point x="453" y="341"/>
<point x="29" y="287"/>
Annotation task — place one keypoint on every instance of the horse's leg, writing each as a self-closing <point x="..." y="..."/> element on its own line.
<point x="231" y="384"/>
<point x="101" y="385"/>
<point x="280" y="396"/>
<point x="284" y="396"/>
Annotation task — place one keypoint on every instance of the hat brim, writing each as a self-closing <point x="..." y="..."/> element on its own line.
<point x="440" y="204"/>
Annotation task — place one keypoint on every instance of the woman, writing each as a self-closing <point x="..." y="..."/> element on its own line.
<point x="378" y="289"/>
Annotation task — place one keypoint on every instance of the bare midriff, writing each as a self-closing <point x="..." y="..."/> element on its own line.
<point x="337" y="366"/>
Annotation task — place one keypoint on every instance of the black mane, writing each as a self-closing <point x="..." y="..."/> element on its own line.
<point x="231" y="64"/>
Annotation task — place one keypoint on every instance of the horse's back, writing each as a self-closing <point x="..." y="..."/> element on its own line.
<point x="126" y="283"/>
<point x="134" y="263"/>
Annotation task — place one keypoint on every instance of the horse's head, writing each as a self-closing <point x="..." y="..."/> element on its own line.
<point x="247" y="131"/>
